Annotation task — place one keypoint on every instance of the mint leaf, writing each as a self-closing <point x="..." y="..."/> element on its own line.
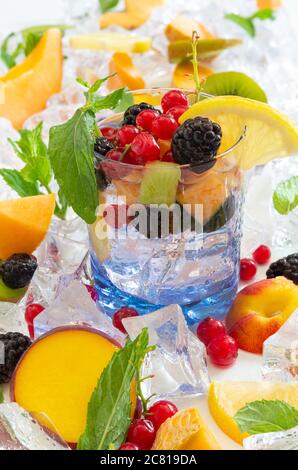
<point x="125" y="102"/>
<point x="110" y="406"/>
<point x="106" y="5"/>
<point x="285" y="197"/>
<point x="71" y="154"/>
<point x="16" y="182"/>
<point x="1" y="394"/>
<point x="264" y="14"/>
<point x="265" y="416"/>
<point x="247" y="22"/>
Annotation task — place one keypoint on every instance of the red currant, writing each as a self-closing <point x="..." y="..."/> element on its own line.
<point x="209" y="329"/>
<point x="109" y="133"/>
<point x="172" y="99"/>
<point x="142" y="434"/>
<point x="168" y="157"/>
<point x="32" y="311"/>
<point x="116" y="215"/>
<point x="262" y="254"/>
<point x="164" y="127"/>
<point x="223" y="350"/>
<point x="93" y="293"/>
<point x="124" y="312"/>
<point x="146" y="118"/>
<point x="126" y="135"/>
<point x="144" y="148"/>
<point x="114" y="155"/>
<point x="248" y="269"/>
<point x="177" y="112"/>
<point x="128" y="446"/>
<point x="160" y="412"/>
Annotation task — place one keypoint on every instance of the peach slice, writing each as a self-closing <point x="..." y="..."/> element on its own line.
<point x="57" y="375"/>
<point x="128" y="20"/>
<point x="127" y="74"/>
<point x="183" y="75"/>
<point x="182" y="27"/>
<point x="24" y="223"/>
<point x="28" y="86"/>
<point x="259" y="310"/>
<point x="262" y="4"/>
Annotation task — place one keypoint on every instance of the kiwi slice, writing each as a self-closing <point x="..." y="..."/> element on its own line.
<point x="207" y="48"/>
<point x="160" y="183"/>
<point x="6" y="293"/>
<point x="234" y="83"/>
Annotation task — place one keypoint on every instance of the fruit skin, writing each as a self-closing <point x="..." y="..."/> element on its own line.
<point x="223" y="351"/>
<point x="15" y="344"/>
<point x="32" y="311"/>
<point x="127" y="73"/>
<point x="226" y="398"/>
<point x="160" y="412"/>
<point x="259" y="310"/>
<point x="29" y="85"/>
<point x="144" y="149"/>
<point x="287" y="267"/>
<point x="142" y="434"/>
<point x="130" y="115"/>
<point x="248" y="269"/>
<point x="164" y="127"/>
<point x="124" y="312"/>
<point x="176" y="112"/>
<point x="209" y="329"/>
<point x="262" y="254"/>
<point x="27" y="217"/>
<point x="18" y="270"/>
<point x="173" y="98"/>
<point x="234" y="83"/>
<point x="128" y="446"/>
<point x="126" y="135"/>
<point x="145" y="119"/>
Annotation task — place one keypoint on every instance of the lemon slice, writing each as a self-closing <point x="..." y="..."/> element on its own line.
<point x="226" y="398"/>
<point x="269" y="134"/>
<point x="112" y="42"/>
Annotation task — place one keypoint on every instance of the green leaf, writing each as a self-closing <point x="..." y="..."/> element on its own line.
<point x="244" y="23"/>
<point x="71" y="154"/>
<point x="265" y="416"/>
<point x="110" y="101"/>
<point x="106" y="5"/>
<point x="110" y="405"/>
<point x="15" y="181"/>
<point x="1" y="394"/>
<point x="285" y="197"/>
<point x="125" y="102"/>
<point x="264" y="14"/>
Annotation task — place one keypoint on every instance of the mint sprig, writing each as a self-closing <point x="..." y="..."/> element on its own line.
<point x="266" y="416"/>
<point x="107" y="5"/>
<point x="71" y="150"/>
<point x="109" y="409"/>
<point x="285" y="197"/>
<point x="248" y="22"/>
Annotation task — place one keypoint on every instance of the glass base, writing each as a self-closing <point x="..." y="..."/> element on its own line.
<point x="112" y="299"/>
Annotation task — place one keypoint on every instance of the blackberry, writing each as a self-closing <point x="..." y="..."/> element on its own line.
<point x="102" y="146"/>
<point x="18" y="270"/>
<point x="12" y="347"/>
<point x="287" y="267"/>
<point x="196" y="142"/>
<point x="131" y="114"/>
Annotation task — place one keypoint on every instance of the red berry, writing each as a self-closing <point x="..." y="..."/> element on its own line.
<point x="142" y="434"/>
<point x="109" y="133"/>
<point x="164" y="127"/>
<point x="116" y="215"/>
<point x="92" y="291"/>
<point x="177" y="112"/>
<point x="168" y="157"/>
<point x="128" y="446"/>
<point x="248" y="269"/>
<point x="124" y="312"/>
<point x="126" y="135"/>
<point x="209" y="329"/>
<point x="146" y="118"/>
<point x="114" y="155"/>
<point x="262" y="254"/>
<point x="223" y="350"/>
<point x="172" y="99"/>
<point x="160" y="412"/>
<point x="144" y="149"/>
<point x="32" y="311"/>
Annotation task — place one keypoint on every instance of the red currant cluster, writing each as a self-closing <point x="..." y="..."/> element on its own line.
<point x="248" y="267"/>
<point x="139" y="144"/>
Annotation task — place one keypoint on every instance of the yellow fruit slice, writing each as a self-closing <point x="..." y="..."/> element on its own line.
<point x="182" y="27"/>
<point x="185" y="431"/>
<point x="27" y="87"/>
<point x="226" y="398"/>
<point x="24" y="223"/>
<point x="112" y="42"/>
<point x="207" y="48"/>
<point x="126" y="73"/>
<point x="127" y="20"/>
<point x="269" y="134"/>
<point x="262" y="4"/>
<point x="183" y="75"/>
<point x="148" y="5"/>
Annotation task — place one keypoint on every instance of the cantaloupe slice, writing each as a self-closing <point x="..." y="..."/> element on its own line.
<point x="182" y="27"/>
<point x="183" y="76"/>
<point x="27" y="87"/>
<point x="58" y="374"/>
<point x="127" y="20"/>
<point x="127" y="74"/>
<point x="261" y="4"/>
<point x="24" y="223"/>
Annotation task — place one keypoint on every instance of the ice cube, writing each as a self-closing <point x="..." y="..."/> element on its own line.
<point x="280" y="353"/>
<point x="74" y="306"/>
<point x="12" y="318"/>
<point x="177" y="367"/>
<point x="284" y="440"/>
<point x="19" y="431"/>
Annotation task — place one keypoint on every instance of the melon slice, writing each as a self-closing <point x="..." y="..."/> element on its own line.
<point x="183" y="75"/>
<point x="126" y="73"/>
<point x="27" y="87"/>
<point x="24" y="223"/>
<point x="182" y="27"/>
<point x="127" y="20"/>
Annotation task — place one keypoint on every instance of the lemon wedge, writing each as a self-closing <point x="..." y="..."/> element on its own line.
<point x="269" y="134"/>
<point x="112" y="42"/>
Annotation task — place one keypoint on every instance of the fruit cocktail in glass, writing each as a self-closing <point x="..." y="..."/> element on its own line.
<point x="168" y="227"/>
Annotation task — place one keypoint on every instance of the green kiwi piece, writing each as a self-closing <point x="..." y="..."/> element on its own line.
<point x="159" y="184"/>
<point x="207" y="48"/>
<point x="234" y="83"/>
<point x="6" y="293"/>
